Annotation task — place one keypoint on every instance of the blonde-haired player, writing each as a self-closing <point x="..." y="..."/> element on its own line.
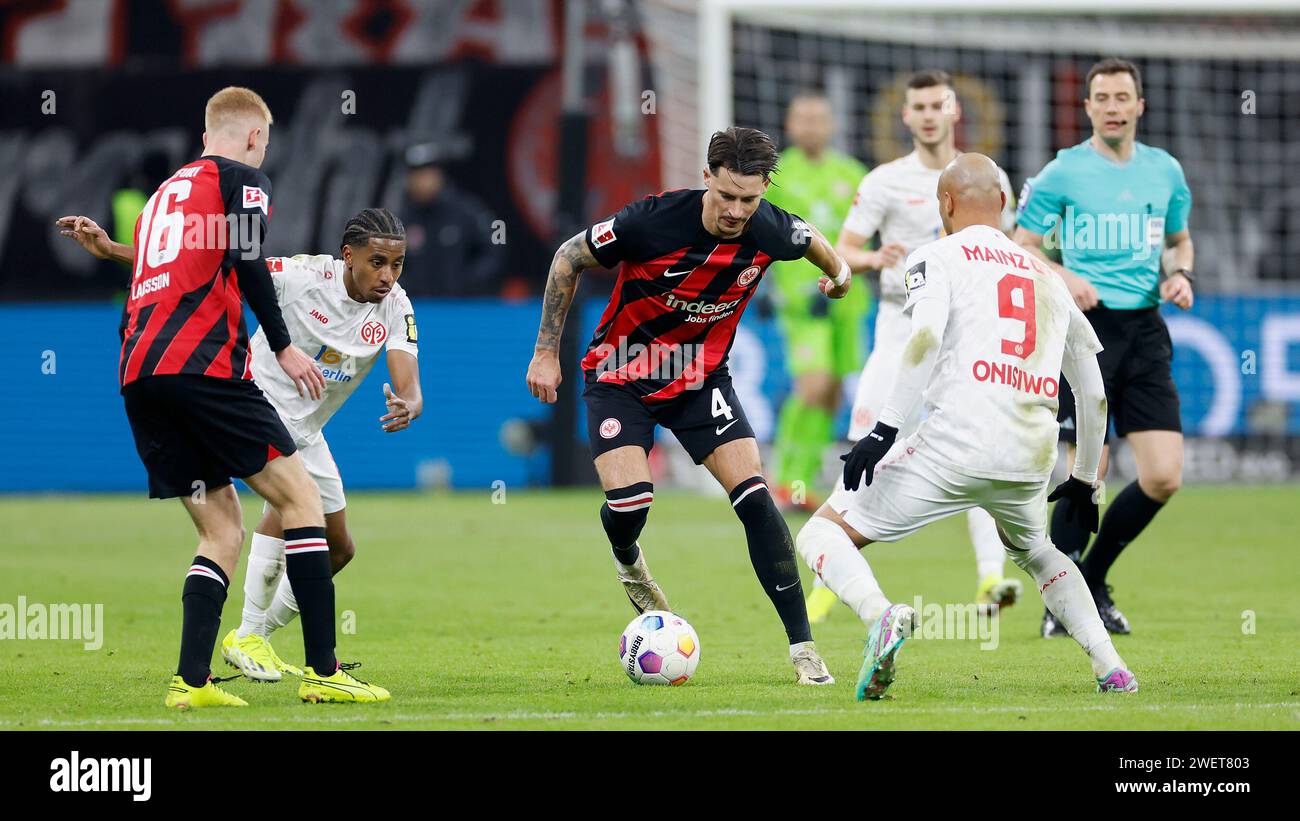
<point x="196" y="416"/>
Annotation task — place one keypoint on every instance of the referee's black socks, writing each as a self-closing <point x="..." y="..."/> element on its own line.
<point x="307" y="564"/>
<point x="772" y="553"/>
<point x="202" y="598"/>
<point x="1069" y="536"/>
<point x="1125" y="518"/>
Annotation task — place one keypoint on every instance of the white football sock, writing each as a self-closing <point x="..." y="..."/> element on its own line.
<point x="817" y="582"/>
<point x="265" y="568"/>
<point x="829" y="551"/>
<point x="284" y="609"/>
<point x="989" y="552"/>
<point x="1066" y="594"/>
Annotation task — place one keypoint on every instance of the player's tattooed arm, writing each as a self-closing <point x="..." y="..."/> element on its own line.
<point x="94" y="239"/>
<point x="836" y="276"/>
<point x="561" y="281"/>
<point x="1085" y="295"/>
<point x="572" y="258"/>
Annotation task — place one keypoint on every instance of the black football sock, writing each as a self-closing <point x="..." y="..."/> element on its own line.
<point x="1071" y="538"/>
<point x="307" y="564"/>
<point x="202" y="598"/>
<point x="772" y="553"/>
<point x="623" y="515"/>
<point x="1125" y="518"/>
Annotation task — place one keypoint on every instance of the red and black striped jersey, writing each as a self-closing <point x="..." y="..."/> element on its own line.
<point x="198" y="252"/>
<point x="681" y="290"/>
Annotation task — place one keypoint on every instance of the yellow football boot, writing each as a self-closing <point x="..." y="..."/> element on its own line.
<point x="182" y="696"/>
<point x="253" y="656"/>
<point x="340" y="687"/>
<point x="996" y="592"/>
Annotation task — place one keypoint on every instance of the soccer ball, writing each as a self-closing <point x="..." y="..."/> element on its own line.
<point x="659" y="647"/>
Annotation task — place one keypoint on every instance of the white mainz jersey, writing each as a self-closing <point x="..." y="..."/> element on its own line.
<point x="344" y="336"/>
<point x="899" y="199"/>
<point x="993" y="394"/>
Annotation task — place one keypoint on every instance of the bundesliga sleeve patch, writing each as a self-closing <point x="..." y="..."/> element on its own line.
<point x="255" y="197"/>
<point x="412" y="335"/>
<point x="1026" y="191"/>
<point x="915" y="277"/>
<point x="602" y="233"/>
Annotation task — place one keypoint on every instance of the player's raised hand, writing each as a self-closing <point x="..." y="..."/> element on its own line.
<point x="1178" y="290"/>
<point x="302" y="369"/>
<point x="1085" y="296"/>
<point x="87" y="233"/>
<point x="544" y="375"/>
<point x="399" y="413"/>
<point x="860" y="463"/>
<point x="890" y="255"/>
<point x="1080" y="499"/>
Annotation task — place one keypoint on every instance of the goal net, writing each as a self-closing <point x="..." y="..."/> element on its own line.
<point x="1221" y="82"/>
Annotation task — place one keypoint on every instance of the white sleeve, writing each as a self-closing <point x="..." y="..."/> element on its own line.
<point x="1084" y="376"/>
<point x="292" y="276"/>
<point x="276" y="266"/>
<point x="402" y="333"/>
<point x="1080" y="337"/>
<point x="868" y="209"/>
<point x="928" y="300"/>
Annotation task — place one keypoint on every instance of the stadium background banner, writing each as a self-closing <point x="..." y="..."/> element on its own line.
<point x="62" y="427"/>
<point x="349" y="93"/>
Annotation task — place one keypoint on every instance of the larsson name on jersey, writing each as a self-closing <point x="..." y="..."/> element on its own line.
<point x="153" y="283"/>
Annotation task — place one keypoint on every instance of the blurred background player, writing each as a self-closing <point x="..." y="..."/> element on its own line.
<point x="1110" y="179"/>
<point x="449" y="232"/>
<point x="691" y="260"/>
<point x="196" y="416"/>
<point x="367" y="313"/>
<point x="897" y="200"/>
<point x="970" y="306"/>
<point x="823" y="338"/>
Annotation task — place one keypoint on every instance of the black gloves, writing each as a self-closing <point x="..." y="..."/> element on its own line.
<point x="1076" y="495"/>
<point x="866" y="453"/>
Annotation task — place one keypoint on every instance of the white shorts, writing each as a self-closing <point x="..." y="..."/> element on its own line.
<point x="878" y="374"/>
<point x="318" y="460"/>
<point x="911" y="489"/>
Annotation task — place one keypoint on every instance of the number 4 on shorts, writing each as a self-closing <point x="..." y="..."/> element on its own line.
<point x="720" y="406"/>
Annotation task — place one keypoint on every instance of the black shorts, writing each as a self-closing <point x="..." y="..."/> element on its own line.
<point x="1136" y="368"/>
<point x="190" y="428"/>
<point x="701" y="419"/>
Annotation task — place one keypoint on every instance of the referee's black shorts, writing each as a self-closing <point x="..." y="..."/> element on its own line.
<point x="1136" y="368"/>
<point x="190" y="428"/>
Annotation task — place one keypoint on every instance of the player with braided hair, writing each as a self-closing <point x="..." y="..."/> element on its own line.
<point x="343" y="312"/>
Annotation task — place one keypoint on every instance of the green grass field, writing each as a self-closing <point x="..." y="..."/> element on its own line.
<point x="482" y="615"/>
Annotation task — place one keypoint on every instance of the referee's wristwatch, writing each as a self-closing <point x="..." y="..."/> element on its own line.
<point x="1187" y="272"/>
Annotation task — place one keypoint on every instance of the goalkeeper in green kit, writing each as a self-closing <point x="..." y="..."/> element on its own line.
<point x="823" y="338"/>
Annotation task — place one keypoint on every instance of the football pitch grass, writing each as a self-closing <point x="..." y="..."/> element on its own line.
<point x="507" y="616"/>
